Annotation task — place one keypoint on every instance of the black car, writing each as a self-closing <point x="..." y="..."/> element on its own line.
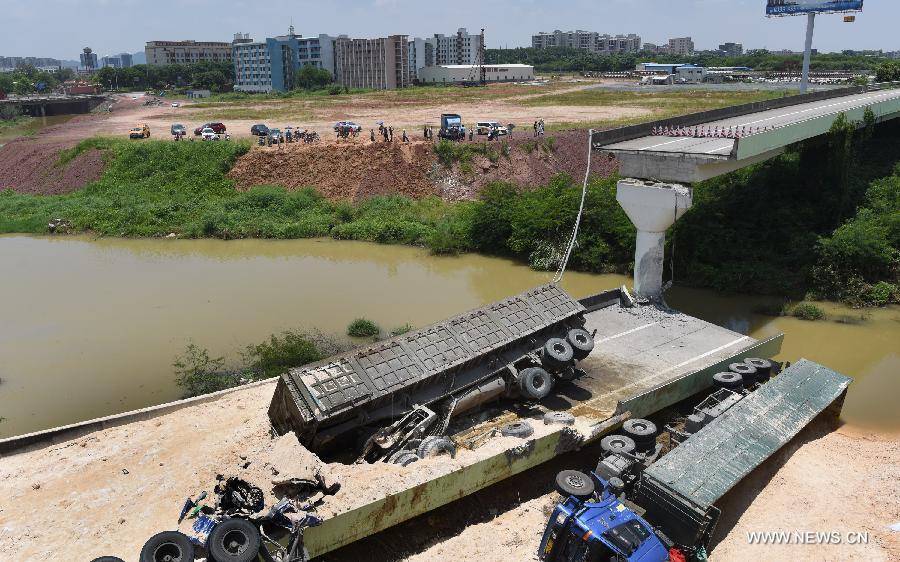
<point x="259" y="130"/>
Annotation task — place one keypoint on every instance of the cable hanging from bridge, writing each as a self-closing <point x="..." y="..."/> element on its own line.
<point x="565" y="261"/>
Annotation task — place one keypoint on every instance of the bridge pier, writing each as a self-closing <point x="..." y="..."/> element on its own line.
<point x="652" y="208"/>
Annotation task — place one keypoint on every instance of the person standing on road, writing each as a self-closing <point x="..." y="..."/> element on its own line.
<point x="391" y="133"/>
<point x="372" y="134"/>
<point x="535" y="128"/>
<point x="405" y="138"/>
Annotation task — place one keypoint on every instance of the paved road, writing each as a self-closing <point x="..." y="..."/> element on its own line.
<point x="771" y="118"/>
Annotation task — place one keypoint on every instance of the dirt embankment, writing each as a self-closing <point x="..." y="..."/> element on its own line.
<point x="356" y="169"/>
<point x="32" y="167"/>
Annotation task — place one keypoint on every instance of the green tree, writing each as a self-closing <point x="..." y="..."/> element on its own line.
<point x="312" y="78"/>
<point x="888" y="71"/>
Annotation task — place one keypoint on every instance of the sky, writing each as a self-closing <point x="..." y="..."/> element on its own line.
<point x="61" y="28"/>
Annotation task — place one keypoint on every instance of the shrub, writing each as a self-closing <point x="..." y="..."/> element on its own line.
<point x="807" y="311"/>
<point x="279" y="353"/>
<point x="363" y="328"/>
<point x="198" y="373"/>
<point x="883" y="294"/>
<point x="402" y="330"/>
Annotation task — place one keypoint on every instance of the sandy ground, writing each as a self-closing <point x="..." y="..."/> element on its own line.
<point x="827" y="480"/>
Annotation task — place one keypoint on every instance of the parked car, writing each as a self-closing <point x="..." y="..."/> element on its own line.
<point x="208" y="133"/>
<point x="259" y="130"/>
<point x="343" y="124"/>
<point x="275" y="135"/>
<point x="178" y="129"/>
<point x="484" y="127"/>
<point x="219" y="128"/>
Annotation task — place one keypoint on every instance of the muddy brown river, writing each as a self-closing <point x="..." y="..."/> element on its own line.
<point x="91" y="327"/>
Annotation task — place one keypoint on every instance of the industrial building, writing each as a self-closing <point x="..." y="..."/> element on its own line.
<point x="186" y="52"/>
<point x="381" y="63"/>
<point x="271" y="64"/>
<point x="461" y="73"/>
<point x="672" y="73"/>
<point x="592" y="41"/>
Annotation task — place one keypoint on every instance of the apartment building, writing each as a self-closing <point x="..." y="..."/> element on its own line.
<point x="681" y="46"/>
<point x="186" y="52"/>
<point x="731" y="49"/>
<point x="263" y="66"/>
<point x="591" y="41"/>
<point x="460" y="48"/>
<point x="381" y="63"/>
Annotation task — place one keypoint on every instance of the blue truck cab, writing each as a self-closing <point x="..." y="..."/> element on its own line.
<point x="599" y="529"/>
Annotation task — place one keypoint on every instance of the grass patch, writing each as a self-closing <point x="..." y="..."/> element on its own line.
<point x="97" y="143"/>
<point x="450" y="152"/>
<point x="363" y="328"/>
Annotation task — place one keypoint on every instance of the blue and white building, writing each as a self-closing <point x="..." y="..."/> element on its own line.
<point x="264" y="66"/>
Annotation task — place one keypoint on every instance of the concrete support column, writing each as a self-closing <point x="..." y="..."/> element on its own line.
<point x="652" y="208"/>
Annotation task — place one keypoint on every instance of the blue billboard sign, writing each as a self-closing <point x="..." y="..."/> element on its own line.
<point x="792" y="7"/>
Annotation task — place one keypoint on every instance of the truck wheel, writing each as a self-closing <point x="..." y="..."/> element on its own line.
<point x="728" y="380"/>
<point x="535" y="383"/>
<point x="404" y="458"/>
<point x="559" y="418"/>
<point x="108" y="559"/>
<point x="434" y="446"/>
<point x="168" y="546"/>
<point x="763" y="368"/>
<point x="747" y="372"/>
<point x="617" y="444"/>
<point x="557" y="354"/>
<point x="640" y="430"/>
<point x="519" y="429"/>
<point x="574" y="483"/>
<point x="581" y="341"/>
<point x="234" y="540"/>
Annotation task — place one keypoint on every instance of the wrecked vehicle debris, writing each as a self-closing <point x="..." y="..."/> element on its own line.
<point x="391" y="395"/>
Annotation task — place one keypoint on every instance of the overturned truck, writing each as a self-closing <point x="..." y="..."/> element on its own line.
<point x="386" y="400"/>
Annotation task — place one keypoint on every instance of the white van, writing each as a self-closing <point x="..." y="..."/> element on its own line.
<point x="484" y="127"/>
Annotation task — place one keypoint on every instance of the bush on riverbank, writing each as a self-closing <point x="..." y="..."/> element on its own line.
<point x="363" y="328"/>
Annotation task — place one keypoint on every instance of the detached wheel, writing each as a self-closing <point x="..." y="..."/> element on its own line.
<point x="535" y="383"/>
<point x="582" y="342"/>
<point x="559" y="418"/>
<point x="574" y="483"/>
<point x="557" y="354"/>
<point x="519" y="429"/>
<point x="168" y="546"/>
<point x="617" y="444"/>
<point x="234" y="540"/>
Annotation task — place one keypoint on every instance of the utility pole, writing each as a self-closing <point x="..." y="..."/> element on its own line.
<point x="807" y="53"/>
<point x="481" y="71"/>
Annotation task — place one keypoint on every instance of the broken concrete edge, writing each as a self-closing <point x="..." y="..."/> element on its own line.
<point x="664" y="395"/>
<point x="345" y="528"/>
<point x="38" y="439"/>
<point x="384" y="513"/>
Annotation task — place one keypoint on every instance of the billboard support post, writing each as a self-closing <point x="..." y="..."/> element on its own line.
<point x="807" y="53"/>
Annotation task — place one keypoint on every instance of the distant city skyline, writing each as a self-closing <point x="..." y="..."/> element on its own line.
<point x="110" y="27"/>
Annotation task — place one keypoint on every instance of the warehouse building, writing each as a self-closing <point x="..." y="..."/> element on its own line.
<point x="462" y="73"/>
<point x="677" y="73"/>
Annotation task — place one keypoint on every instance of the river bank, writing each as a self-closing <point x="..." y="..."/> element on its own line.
<point x="116" y="313"/>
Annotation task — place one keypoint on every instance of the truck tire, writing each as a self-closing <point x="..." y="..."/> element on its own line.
<point x="520" y="429"/>
<point x="728" y="380"/>
<point x="747" y="372"/>
<point x="763" y="368"/>
<point x="434" y="446"/>
<point x="108" y="559"/>
<point x="617" y="444"/>
<point x="234" y="540"/>
<point x="168" y="546"/>
<point x="557" y="354"/>
<point x="582" y="342"/>
<point x="535" y="383"/>
<point x="574" y="483"/>
<point x="559" y="418"/>
<point x="403" y="458"/>
<point x="640" y="430"/>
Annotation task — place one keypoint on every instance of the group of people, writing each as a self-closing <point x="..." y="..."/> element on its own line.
<point x="708" y="132"/>
<point x="387" y="134"/>
<point x="539" y="128"/>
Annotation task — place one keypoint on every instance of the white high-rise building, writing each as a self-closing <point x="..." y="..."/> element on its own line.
<point x="591" y="41"/>
<point x="460" y="48"/>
